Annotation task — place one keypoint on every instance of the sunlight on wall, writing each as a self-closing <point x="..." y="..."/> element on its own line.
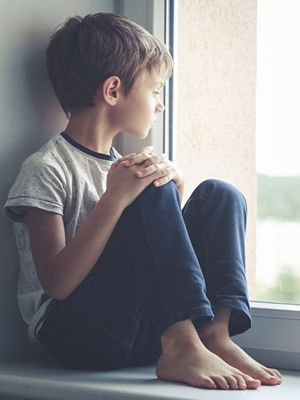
<point x="216" y="100"/>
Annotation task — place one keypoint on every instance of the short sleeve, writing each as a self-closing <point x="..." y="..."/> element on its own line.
<point x="41" y="184"/>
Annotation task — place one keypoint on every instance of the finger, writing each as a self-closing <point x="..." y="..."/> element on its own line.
<point x="124" y="158"/>
<point x="160" y="170"/>
<point x="145" y="152"/>
<point x="154" y="159"/>
<point x="147" y="171"/>
<point x="137" y="159"/>
<point x="165" y="179"/>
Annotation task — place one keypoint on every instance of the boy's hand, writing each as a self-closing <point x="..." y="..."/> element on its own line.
<point x="169" y="171"/>
<point x="135" y="158"/>
<point x="154" y="164"/>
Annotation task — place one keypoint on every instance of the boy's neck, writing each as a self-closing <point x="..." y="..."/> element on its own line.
<point x="87" y="129"/>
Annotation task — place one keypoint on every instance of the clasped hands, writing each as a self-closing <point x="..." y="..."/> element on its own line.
<point x="153" y="164"/>
<point x="130" y="175"/>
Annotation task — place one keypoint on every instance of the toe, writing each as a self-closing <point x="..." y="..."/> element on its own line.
<point x="277" y="374"/>
<point x="251" y="382"/>
<point x="241" y="383"/>
<point x="221" y="382"/>
<point x="268" y="378"/>
<point x="233" y="382"/>
<point x="206" y="383"/>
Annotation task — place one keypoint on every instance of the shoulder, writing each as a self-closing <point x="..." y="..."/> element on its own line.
<point x="41" y="183"/>
<point x="49" y="154"/>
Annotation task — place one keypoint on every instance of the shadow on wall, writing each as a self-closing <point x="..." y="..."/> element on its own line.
<point x="30" y="116"/>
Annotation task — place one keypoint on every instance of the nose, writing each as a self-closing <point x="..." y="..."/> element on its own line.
<point x="159" y="107"/>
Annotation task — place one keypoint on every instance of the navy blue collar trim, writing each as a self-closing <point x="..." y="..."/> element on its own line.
<point x="112" y="157"/>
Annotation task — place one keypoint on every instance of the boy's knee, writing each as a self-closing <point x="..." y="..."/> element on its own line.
<point x="165" y="193"/>
<point x="222" y="190"/>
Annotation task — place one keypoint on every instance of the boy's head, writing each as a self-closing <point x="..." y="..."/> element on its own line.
<point x="84" y="52"/>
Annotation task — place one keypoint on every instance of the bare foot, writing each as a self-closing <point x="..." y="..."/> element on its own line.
<point x="222" y="345"/>
<point x="185" y="359"/>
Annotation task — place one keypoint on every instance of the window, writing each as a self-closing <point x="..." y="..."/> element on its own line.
<point x="216" y="68"/>
<point x="278" y="162"/>
<point x="213" y="121"/>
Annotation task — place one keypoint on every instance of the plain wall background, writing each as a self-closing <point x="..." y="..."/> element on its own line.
<point x="216" y="119"/>
<point x="29" y="116"/>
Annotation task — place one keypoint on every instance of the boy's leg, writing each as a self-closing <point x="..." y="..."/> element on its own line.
<point x="147" y="279"/>
<point x="147" y="269"/>
<point x="215" y="216"/>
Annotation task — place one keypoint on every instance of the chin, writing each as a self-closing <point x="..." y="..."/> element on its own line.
<point x="139" y="135"/>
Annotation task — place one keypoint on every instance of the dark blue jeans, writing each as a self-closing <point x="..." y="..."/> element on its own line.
<point x="161" y="266"/>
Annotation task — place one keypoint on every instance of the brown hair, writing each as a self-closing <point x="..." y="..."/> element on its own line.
<point x="84" y="52"/>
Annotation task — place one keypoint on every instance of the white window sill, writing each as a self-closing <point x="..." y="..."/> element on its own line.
<point x="274" y="337"/>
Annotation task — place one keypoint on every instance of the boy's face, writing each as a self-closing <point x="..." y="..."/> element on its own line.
<point x="137" y="112"/>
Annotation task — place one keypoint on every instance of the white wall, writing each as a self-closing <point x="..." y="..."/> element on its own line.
<point x="217" y="100"/>
<point x="29" y="115"/>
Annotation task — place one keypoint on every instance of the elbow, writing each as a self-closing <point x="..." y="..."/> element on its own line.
<point x="57" y="293"/>
<point x="59" y="296"/>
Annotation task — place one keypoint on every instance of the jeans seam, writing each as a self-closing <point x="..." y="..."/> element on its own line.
<point x="125" y="342"/>
<point x="230" y="300"/>
<point x="190" y="200"/>
<point x="181" y="312"/>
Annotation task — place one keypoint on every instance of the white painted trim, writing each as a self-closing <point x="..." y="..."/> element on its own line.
<point x="151" y="15"/>
<point x="274" y="338"/>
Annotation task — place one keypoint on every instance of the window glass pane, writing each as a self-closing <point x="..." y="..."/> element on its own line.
<point x="278" y="144"/>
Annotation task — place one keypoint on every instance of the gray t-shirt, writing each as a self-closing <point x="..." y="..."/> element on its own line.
<point x="62" y="177"/>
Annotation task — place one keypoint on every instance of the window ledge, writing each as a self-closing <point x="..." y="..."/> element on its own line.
<point x="273" y="339"/>
<point x="46" y="380"/>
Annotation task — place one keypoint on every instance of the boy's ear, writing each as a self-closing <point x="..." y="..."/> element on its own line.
<point x="111" y="90"/>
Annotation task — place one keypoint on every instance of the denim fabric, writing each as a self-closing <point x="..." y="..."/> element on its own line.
<point x="149" y="277"/>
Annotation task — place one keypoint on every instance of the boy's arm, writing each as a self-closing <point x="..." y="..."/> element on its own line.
<point x="62" y="267"/>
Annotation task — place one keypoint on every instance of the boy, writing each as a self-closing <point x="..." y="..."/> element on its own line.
<point x="112" y="273"/>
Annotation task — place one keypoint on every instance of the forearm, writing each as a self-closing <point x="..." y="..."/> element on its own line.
<point x="72" y="264"/>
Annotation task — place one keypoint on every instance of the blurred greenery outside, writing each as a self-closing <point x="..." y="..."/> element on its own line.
<point x="279" y="198"/>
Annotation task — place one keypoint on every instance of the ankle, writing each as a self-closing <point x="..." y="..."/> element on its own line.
<point x="213" y="333"/>
<point x="180" y="335"/>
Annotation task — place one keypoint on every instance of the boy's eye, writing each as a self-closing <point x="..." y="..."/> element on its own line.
<point x="156" y="92"/>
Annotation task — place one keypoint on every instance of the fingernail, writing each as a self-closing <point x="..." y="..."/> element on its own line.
<point x="139" y="174"/>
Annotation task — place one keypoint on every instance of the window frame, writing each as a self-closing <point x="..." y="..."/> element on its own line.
<point x="272" y="340"/>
